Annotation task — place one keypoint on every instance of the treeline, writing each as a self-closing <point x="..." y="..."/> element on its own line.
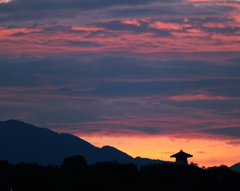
<point x="75" y="174"/>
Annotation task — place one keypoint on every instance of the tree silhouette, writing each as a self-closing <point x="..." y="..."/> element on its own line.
<point x="74" y="165"/>
<point x="75" y="174"/>
<point x="6" y="171"/>
<point x="74" y="170"/>
<point x="112" y="175"/>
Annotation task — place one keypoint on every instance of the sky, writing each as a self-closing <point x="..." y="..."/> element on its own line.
<point x="149" y="77"/>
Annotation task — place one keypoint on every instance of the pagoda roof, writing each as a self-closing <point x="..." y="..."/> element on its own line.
<point x="181" y="154"/>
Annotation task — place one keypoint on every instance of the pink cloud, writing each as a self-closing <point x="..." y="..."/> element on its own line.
<point x="186" y="37"/>
<point x="5" y="1"/>
<point x="196" y="32"/>
<point x="5" y="32"/>
<point x="131" y="22"/>
<point x="83" y="28"/>
<point x="234" y="13"/>
<point x="228" y="39"/>
<point x="214" y="25"/>
<point x="165" y="25"/>
<point x="200" y="97"/>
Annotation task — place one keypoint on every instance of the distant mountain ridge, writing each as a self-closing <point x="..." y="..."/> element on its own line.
<point x="235" y="167"/>
<point x="22" y="142"/>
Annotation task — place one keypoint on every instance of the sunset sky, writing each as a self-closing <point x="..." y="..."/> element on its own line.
<point x="149" y="77"/>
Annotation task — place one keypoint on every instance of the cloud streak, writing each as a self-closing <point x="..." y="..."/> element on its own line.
<point x="139" y="105"/>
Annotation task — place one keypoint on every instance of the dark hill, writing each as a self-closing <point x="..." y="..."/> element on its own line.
<point x="24" y="142"/>
<point x="21" y="142"/>
<point x="235" y="167"/>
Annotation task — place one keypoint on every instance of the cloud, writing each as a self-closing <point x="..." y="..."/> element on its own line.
<point x="201" y="152"/>
<point x="72" y="43"/>
<point x="119" y="38"/>
<point x="131" y="22"/>
<point x="49" y="7"/>
<point x="112" y="68"/>
<point x="228" y="131"/>
<point x="165" y="26"/>
<point x="112" y="95"/>
<point x="5" y="1"/>
<point x="26" y="10"/>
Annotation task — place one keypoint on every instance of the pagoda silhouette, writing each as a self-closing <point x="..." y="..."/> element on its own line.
<point x="181" y="157"/>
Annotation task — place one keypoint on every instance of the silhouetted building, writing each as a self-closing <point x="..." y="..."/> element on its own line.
<point x="181" y="157"/>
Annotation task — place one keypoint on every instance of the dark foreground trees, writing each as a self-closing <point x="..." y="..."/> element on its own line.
<point x="75" y="174"/>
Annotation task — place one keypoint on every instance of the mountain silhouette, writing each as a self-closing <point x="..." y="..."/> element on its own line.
<point x="235" y="167"/>
<point x="22" y="142"/>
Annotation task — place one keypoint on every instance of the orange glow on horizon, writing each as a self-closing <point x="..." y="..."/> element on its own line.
<point x="205" y="152"/>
